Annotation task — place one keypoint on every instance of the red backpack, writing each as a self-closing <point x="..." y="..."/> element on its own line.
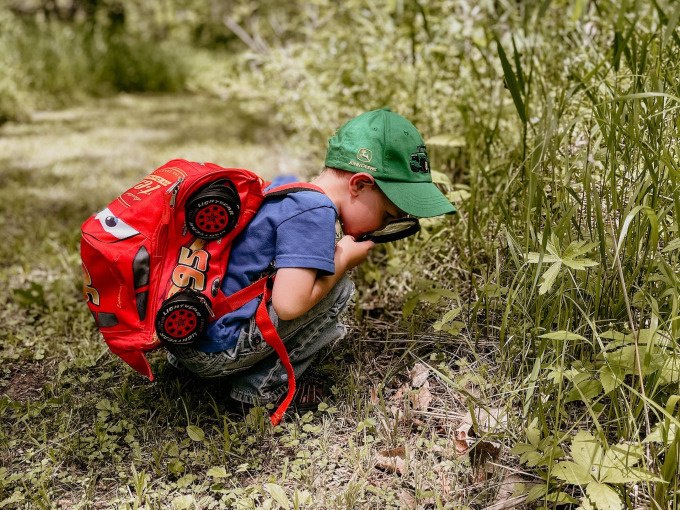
<point x="154" y="259"/>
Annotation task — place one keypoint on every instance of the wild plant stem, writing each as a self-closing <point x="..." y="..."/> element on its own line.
<point x="631" y="321"/>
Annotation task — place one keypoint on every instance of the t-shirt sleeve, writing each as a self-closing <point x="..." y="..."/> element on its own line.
<point x="307" y="240"/>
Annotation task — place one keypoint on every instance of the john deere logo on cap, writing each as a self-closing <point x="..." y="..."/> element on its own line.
<point x="365" y="155"/>
<point x="420" y="163"/>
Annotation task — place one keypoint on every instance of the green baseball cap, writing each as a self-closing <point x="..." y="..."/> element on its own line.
<point x="388" y="147"/>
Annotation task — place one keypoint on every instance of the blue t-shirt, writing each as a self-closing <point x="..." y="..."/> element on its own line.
<point x="297" y="230"/>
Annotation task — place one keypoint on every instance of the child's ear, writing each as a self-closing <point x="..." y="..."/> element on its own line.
<point x="360" y="181"/>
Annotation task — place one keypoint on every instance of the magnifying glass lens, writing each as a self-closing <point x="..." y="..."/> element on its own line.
<point x="395" y="230"/>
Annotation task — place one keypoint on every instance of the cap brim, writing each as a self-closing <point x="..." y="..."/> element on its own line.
<point x="419" y="199"/>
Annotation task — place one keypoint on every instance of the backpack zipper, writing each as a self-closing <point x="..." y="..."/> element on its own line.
<point x="173" y="190"/>
<point x="161" y="241"/>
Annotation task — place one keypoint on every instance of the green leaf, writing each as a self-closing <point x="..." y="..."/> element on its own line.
<point x="629" y="475"/>
<point x="511" y="81"/>
<point x="217" y="472"/>
<point x="673" y="245"/>
<point x="278" y="494"/>
<point x="195" y="433"/>
<point x="584" y="390"/>
<point x="578" y="248"/>
<point x="176" y="467"/>
<point x="521" y="448"/>
<point x="302" y="498"/>
<point x="577" y="9"/>
<point x="617" y="464"/>
<point x="430" y="295"/>
<point x="103" y="405"/>
<point x="561" y="498"/>
<point x="670" y="371"/>
<point x="549" y="278"/>
<point x="603" y="496"/>
<point x="409" y="306"/>
<point x="533" y="434"/>
<point x="586" y="504"/>
<point x="613" y="335"/>
<point x="622" y="360"/>
<point x="448" y="324"/>
<point x="534" y="257"/>
<point x="586" y="450"/>
<point x="580" y="264"/>
<point x="538" y="491"/>
<point x="627" y="455"/>
<point x="562" y="335"/>
<point x="183" y="502"/>
<point x="610" y="378"/>
<point x="662" y="433"/>
<point x="571" y="472"/>
<point x="653" y="221"/>
<point x="532" y="459"/>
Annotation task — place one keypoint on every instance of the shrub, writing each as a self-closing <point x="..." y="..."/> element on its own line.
<point x="47" y="63"/>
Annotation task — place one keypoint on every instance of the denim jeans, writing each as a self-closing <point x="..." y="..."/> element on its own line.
<point x="253" y="368"/>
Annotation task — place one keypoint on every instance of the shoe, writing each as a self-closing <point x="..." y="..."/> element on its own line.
<point x="308" y="395"/>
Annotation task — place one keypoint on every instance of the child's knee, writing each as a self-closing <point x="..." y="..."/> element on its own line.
<point x="341" y="294"/>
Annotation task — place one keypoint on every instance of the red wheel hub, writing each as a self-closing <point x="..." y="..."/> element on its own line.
<point x="212" y="218"/>
<point x="180" y="323"/>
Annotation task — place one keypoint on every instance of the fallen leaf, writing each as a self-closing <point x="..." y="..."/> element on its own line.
<point x="482" y="453"/>
<point x="444" y="476"/>
<point x="491" y="419"/>
<point x="396" y="412"/>
<point x="403" y="390"/>
<point x="419" y="374"/>
<point x="486" y="420"/>
<point x="461" y="436"/>
<point x="392" y="460"/>
<point x="407" y="500"/>
<point x="374" y="395"/>
<point x="421" y="398"/>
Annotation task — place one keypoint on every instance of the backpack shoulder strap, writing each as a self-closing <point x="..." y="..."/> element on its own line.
<point x="262" y="287"/>
<point x="285" y="189"/>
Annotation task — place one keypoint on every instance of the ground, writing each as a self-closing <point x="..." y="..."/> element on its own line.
<point x="82" y="430"/>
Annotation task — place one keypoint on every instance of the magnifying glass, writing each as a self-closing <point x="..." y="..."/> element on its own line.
<point x="395" y="230"/>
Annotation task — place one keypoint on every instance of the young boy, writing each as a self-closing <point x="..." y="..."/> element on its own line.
<point x="376" y="170"/>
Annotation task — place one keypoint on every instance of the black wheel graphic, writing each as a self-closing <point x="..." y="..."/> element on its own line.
<point x="182" y="318"/>
<point x="212" y="212"/>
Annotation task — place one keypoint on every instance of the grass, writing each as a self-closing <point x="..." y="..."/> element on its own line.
<point x="81" y="430"/>
<point x="553" y="295"/>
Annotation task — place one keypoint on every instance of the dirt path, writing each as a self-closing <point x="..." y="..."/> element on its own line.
<point x="136" y="133"/>
<point x="64" y="165"/>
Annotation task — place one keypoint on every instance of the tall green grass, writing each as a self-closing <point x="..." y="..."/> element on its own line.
<point x="48" y="63"/>
<point x="589" y="318"/>
<point x="565" y="252"/>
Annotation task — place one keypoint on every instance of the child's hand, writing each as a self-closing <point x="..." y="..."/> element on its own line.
<point x="350" y="253"/>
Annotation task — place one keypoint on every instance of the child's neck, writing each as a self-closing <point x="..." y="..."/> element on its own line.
<point x="333" y="186"/>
